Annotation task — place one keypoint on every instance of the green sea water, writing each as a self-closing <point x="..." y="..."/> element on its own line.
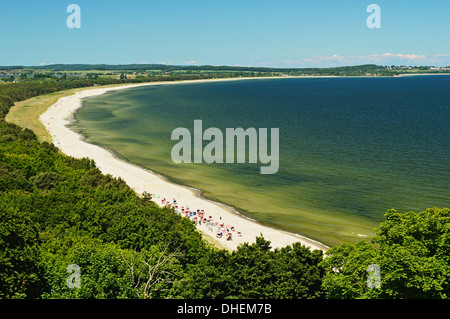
<point x="350" y="148"/>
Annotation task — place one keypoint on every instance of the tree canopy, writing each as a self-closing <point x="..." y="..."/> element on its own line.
<point x="412" y="251"/>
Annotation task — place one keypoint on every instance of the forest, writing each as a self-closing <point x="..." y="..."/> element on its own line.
<point x="57" y="211"/>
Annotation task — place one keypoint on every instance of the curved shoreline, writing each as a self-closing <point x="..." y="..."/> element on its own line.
<point x="59" y="115"/>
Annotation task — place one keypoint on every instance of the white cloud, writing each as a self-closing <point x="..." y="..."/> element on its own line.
<point x="164" y="63"/>
<point x="441" y="55"/>
<point x="191" y="62"/>
<point x="398" y="55"/>
<point x="382" y="59"/>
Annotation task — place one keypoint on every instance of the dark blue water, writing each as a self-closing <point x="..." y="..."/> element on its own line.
<point x="350" y="148"/>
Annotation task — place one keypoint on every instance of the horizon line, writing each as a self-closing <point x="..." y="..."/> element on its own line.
<point x="142" y="65"/>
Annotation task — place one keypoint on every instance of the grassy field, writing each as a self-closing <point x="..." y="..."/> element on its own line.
<point x="26" y="113"/>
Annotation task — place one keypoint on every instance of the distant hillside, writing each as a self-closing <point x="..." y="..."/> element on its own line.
<point x="161" y="72"/>
<point x="140" y="67"/>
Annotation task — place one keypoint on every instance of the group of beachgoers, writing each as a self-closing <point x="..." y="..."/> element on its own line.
<point x="199" y="218"/>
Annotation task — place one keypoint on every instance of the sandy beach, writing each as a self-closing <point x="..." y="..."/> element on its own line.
<point x="219" y="216"/>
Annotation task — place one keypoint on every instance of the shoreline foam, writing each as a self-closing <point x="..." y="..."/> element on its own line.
<point x="59" y="115"/>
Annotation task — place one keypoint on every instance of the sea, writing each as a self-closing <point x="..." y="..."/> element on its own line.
<point x="350" y="148"/>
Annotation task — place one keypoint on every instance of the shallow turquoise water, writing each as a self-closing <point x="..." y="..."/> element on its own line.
<point x="350" y="148"/>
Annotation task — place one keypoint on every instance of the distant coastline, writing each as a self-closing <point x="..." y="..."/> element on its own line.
<point x="162" y="72"/>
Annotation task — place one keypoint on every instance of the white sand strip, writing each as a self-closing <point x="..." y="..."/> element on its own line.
<point x="59" y="115"/>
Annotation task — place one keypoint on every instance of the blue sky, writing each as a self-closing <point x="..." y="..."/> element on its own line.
<point x="282" y="33"/>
